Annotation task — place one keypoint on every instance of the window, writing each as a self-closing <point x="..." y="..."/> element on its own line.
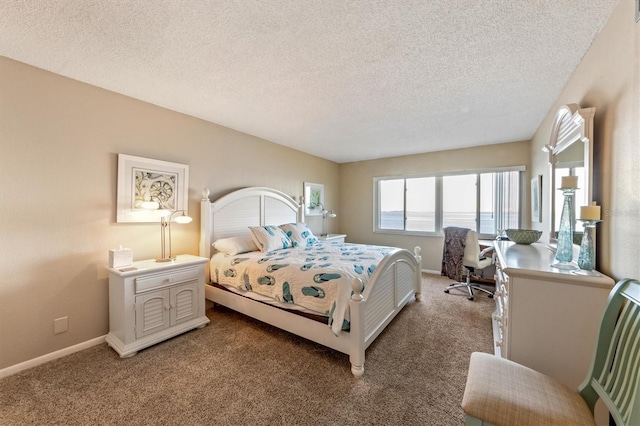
<point x="459" y="200"/>
<point x="485" y="201"/>
<point x="392" y="204"/>
<point x="421" y="206"/>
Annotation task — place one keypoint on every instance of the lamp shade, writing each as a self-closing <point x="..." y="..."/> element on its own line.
<point x="183" y="219"/>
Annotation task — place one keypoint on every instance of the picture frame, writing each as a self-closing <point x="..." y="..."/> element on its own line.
<point x="143" y="180"/>
<point x="536" y="199"/>
<point x="313" y="199"/>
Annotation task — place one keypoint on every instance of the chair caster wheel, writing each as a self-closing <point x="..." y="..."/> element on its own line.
<point x="470" y="298"/>
<point x="491" y="296"/>
<point x="446" y="290"/>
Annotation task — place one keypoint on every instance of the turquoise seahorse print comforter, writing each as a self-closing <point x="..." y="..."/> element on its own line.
<point x="317" y="277"/>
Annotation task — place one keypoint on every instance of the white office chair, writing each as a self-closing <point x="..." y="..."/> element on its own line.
<point x="472" y="259"/>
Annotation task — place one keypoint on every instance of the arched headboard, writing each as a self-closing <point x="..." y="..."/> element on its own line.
<point x="232" y="214"/>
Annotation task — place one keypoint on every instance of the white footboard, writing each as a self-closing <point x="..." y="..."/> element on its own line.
<point x="396" y="280"/>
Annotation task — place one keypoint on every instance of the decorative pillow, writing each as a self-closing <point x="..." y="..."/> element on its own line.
<point x="236" y="245"/>
<point x="269" y="238"/>
<point x="299" y="233"/>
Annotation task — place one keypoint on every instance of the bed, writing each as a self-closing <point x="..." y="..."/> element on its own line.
<point x="369" y="308"/>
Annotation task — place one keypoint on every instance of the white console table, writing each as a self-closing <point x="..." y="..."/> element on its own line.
<point x="546" y="318"/>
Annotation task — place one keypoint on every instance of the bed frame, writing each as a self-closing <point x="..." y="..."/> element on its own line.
<point x="395" y="282"/>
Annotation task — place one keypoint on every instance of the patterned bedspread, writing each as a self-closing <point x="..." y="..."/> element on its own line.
<point x="317" y="277"/>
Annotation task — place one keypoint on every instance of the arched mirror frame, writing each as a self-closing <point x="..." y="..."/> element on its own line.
<point x="572" y="124"/>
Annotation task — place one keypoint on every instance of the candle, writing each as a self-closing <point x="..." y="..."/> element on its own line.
<point x="569" y="182"/>
<point x="591" y="212"/>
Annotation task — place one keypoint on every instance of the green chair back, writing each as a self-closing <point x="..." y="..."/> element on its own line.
<point x="614" y="375"/>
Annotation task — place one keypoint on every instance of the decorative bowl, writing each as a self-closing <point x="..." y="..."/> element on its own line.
<point x="523" y="236"/>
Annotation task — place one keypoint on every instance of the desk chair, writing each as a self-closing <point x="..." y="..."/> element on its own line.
<point x="472" y="259"/>
<point x="502" y="392"/>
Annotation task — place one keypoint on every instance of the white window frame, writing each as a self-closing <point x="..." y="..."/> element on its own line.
<point x="439" y="197"/>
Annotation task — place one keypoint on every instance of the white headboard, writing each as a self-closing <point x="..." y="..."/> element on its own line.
<point x="232" y="214"/>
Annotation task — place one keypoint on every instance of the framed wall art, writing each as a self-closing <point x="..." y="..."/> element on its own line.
<point x="146" y="186"/>
<point x="313" y="199"/>
<point x="536" y="199"/>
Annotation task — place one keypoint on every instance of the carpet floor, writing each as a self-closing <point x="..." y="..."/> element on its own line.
<point x="239" y="371"/>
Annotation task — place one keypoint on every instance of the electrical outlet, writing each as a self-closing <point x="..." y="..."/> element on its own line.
<point x="60" y="325"/>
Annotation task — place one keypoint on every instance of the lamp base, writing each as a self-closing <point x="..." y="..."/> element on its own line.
<point x="567" y="266"/>
<point x="585" y="272"/>
<point x="166" y="259"/>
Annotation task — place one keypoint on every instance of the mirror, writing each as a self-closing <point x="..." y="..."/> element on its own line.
<point x="570" y="153"/>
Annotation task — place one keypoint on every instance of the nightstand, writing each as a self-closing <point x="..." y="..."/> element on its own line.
<point x="333" y="237"/>
<point x="150" y="302"/>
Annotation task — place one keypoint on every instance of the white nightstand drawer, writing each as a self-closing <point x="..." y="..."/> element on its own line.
<point x="164" y="279"/>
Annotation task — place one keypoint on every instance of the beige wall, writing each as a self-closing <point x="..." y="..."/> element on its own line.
<point x="608" y="79"/>
<point x="356" y="193"/>
<point x="59" y="142"/>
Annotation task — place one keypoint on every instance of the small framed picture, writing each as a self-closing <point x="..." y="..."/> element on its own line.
<point x="313" y="199"/>
<point x="147" y="186"/>
<point x="536" y="199"/>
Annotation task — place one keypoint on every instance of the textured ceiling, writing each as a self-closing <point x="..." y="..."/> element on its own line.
<point x="345" y="80"/>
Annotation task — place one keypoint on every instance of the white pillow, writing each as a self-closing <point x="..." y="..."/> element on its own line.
<point x="236" y="245"/>
<point x="269" y="238"/>
<point x="300" y="234"/>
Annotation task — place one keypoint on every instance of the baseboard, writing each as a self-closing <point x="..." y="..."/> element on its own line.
<point x="429" y="271"/>
<point x="5" y="372"/>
